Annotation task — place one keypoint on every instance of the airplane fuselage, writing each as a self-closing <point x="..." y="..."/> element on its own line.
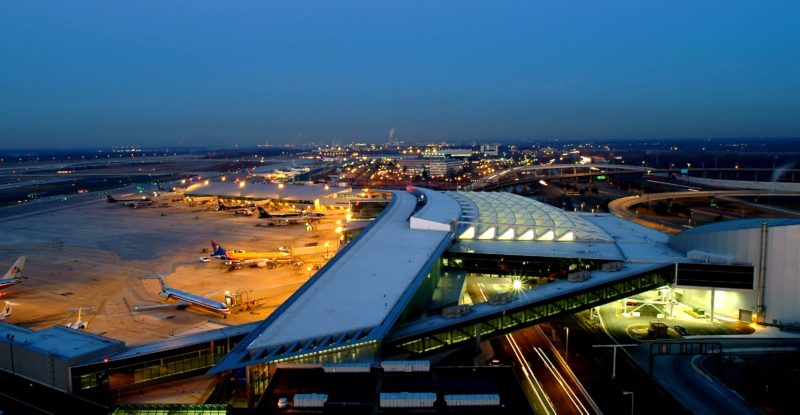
<point x="8" y="283"/>
<point x="198" y="301"/>
<point x="244" y="256"/>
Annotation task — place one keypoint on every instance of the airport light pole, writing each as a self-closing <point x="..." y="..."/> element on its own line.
<point x="10" y="338"/>
<point x="631" y="394"/>
<point x="614" y="359"/>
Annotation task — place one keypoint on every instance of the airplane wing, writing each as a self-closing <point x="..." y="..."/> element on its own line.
<point x="179" y="304"/>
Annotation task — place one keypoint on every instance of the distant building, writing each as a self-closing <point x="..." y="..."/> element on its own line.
<point x="448" y="153"/>
<point x="435" y="167"/>
<point x="490" y="150"/>
<point x="295" y="196"/>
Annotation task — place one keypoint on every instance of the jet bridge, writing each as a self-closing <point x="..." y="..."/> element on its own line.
<point x="490" y="319"/>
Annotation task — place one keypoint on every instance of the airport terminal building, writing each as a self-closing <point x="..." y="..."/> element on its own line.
<point x="294" y="196"/>
<point x="439" y="270"/>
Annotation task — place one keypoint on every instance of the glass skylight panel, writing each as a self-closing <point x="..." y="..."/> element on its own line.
<point x="527" y="236"/>
<point x="488" y="234"/>
<point x="548" y="236"/>
<point x="507" y="235"/>
<point x="491" y="209"/>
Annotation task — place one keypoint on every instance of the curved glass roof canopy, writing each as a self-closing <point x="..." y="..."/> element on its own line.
<point x="506" y="216"/>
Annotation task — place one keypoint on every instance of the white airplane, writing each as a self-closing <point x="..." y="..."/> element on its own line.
<point x="131" y="203"/>
<point x="184" y="299"/>
<point x="14" y="275"/>
<point x="78" y="324"/>
<point x="6" y="311"/>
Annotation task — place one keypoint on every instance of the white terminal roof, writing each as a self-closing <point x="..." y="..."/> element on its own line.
<point x="365" y="285"/>
<point x="360" y="287"/>
<point x="262" y="191"/>
<point x="637" y="243"/>
<point x="506" y="216"/>
<point x="61" y="342"/>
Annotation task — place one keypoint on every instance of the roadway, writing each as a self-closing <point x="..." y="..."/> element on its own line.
<point x="555" y="388"/>
<point x="494" y="181"/>
<point x="621" y="207"/>
<point x="680" y="374"/>
<point x="549" y="384"/>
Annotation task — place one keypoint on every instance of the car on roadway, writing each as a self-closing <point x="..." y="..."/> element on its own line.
<point x="204" y="259"/>
<point x="681" y="330"/>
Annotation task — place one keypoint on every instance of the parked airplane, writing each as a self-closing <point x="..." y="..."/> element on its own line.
<point x="222" y="206"/>
<point x="239" y="258"/>
<point x="14" y="275"/>
<point x="162" y="189"/>
<point x="290" y="217"/>
<point x="262" y="213"/>
<point x="6" y="311"/>
<point x="184" y="299"/>
<point x="131" y="203"/>
<point x="78" y="324"/>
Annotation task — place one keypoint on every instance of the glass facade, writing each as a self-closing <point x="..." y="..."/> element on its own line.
<point x="514" y="319"/>
<point x="171" y="409"/>
<point x="101" y="381"/>
<point x="550" y="268"/>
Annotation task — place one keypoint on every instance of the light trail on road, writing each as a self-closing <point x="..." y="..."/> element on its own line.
<point x="528" y="371"/>
<point x="534" y="383"/>
<point x="561" y="381"/>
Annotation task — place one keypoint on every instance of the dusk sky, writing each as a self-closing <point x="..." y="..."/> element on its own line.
<point x="101" y="73"/>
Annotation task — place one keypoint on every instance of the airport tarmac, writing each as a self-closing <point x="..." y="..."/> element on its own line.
<point x="90" y="254"/>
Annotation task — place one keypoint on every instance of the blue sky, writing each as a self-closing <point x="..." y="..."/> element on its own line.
<point x="88" y="73"/>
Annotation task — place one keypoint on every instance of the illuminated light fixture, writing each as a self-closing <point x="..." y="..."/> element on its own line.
<point x="516" y="284"/>
<point x="569" y="236"/>
<point x="507" y="235"/>
<point x="241" y="185"/>
<point x="468" y="234"/>
<point x="224" y="178"/>
<point x="205" y="182"/>
<point x="548" y="236"/>
<point x="542" y="182"/>
<point x="527" y="236"/>
<point x="489" y="234"/>
<point x="280" y="185"/>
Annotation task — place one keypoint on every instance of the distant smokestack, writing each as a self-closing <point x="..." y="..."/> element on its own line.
<point x="391" y="134"/>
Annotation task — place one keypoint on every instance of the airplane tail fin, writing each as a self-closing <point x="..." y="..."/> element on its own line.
<point x="110" y="199"/>
<point x="16" y="269"/>
<point x="158" y="277"/>
<point x="263" y="213"/>
<point x="6" y="311"/>
<point x="218" y="249"/>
